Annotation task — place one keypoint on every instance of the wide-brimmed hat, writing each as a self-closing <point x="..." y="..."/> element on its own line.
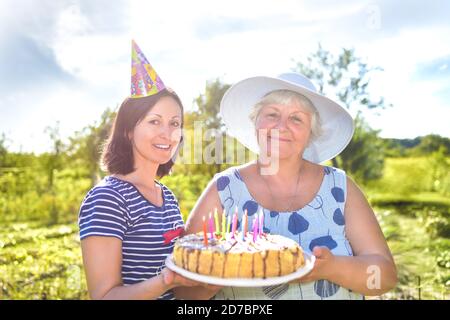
<point x="239" y="100"/>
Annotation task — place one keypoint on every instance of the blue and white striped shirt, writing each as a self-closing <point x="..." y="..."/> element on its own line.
<point x="116" y="208"/>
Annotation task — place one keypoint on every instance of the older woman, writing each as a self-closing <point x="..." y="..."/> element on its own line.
<point x="293" y="129"/>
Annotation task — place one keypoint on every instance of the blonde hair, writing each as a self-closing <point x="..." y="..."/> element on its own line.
<point x="285" y="97"/>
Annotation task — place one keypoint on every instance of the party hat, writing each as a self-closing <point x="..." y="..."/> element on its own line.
<point x="144" y="79"/>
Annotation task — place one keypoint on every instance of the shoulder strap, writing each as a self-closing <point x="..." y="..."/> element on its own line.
<point x="230" y="188"/>
<point x="337" y="185"/>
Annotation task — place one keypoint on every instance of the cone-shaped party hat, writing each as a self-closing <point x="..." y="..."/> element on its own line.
<point x="144" y="79"/>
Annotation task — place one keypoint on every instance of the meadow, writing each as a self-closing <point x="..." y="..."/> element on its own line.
<point x="40" y="256"/>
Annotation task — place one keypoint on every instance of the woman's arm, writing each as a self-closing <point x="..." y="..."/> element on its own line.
<point x="102" y="258"/>
<point x="208" y="201"/>
<point x="371" y="271"/>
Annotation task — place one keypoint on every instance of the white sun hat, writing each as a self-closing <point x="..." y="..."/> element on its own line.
<point x="239" y="100"/>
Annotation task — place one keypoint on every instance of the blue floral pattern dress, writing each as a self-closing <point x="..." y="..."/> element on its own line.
<point x="319" y="223"/>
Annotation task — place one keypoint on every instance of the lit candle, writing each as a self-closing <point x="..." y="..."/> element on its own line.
<point x="233" y="227"/>
<point x="228" y="224"/>
<point x="261" y="222"/>
<point x="243" y="228"/>
<point x="255" y="228"/>
<point x="205" y="236"/>
<point x="224" y="220"/>
<point x="211" y="227"/>
<point x="216" y="220"/>
<point x="245" y="223"/>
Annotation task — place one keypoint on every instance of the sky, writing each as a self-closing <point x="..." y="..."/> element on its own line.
<point x="67" y="61"/>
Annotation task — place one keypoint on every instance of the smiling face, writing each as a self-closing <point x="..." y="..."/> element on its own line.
<point x="156" y="137"/>
<point x="283" y="129"/>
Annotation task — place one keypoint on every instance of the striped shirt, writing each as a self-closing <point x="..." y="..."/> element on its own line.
<point x="116" y="208"/>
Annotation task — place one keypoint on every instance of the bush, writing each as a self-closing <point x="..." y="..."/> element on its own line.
<point x="25" y="195"/>
<point x="443" y="260"/>
<point x="187" y="189"/>
<point x="437" y="223"/>
<point x="404" y="176"/>
<point x="439" y="166"/>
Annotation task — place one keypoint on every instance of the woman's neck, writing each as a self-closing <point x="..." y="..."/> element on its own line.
<point x="284" y="170"/>
<point x="144" y="174"/>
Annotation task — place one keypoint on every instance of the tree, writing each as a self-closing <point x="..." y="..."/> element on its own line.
<point x="3" y="150"/>
<point x="432" y="143"/>
<point x="346" y="78"/>
<point x="207" y="115"/>
<point x="439" y="170"/>
<point x="53" y="159"/>
<point x="53" y="162"/>
<point x="87" y="144"/>
<point x="358" y="158"/>
<point x="232" y="152"/>
<point x="208" y="104"/>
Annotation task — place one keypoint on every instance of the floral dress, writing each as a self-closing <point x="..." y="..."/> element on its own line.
<point x="319" y="223"/>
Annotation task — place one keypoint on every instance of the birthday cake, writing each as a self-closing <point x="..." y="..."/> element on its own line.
<point x="234" y="256"/>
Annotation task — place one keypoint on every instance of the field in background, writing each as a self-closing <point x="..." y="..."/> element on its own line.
<point x="40" y="256"/>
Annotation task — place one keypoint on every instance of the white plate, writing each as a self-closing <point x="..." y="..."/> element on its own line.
<point x="244" y="282"/>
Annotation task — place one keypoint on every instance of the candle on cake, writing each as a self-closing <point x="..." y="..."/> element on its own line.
<point x="233" y="227"/>
<point x="245" y="223"/>
<point x="216" y="220"/>
<point x="244" y="226"/>
<point x="205" y="236"/>
<point x="211" y="227"/>
<point x="255" y="228"/>
<point x="224" y="221"/>
<point x="261" y="222"/>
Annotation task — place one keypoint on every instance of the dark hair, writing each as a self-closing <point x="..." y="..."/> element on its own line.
<point x="117" y="155"/>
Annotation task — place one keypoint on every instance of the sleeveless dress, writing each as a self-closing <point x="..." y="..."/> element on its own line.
<point x="319" y="223"/>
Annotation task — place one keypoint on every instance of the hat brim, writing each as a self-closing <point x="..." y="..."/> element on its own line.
<point x="237" y="103"/>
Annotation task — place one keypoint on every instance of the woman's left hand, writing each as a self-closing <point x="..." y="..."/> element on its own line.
<point x="322" y="266"/>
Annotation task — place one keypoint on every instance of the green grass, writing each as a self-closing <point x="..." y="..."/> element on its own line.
<point x="41" y="263"/>
<point x="45" y="262"/>
<point x="424" y="177"/>
<point x="415" y="253"/>
<point x="423" y="198"/>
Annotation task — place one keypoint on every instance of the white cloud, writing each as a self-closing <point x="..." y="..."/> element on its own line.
<point x="71" y="107"/>
<point x="417" y="107"/>
<point x="97" y="61"/>
<point x="190" y="42"/>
